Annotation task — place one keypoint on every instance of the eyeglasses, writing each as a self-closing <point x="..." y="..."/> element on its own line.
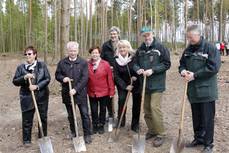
<point x="28" y="54"/>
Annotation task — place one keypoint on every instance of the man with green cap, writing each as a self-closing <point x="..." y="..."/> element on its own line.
<point x="153" y="60"/>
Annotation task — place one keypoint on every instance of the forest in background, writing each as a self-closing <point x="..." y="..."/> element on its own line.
<point x="50" y="24"/>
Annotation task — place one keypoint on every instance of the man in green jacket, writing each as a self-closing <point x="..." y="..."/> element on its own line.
<point x="153" y="60"/>
<point x="199" y="66"/>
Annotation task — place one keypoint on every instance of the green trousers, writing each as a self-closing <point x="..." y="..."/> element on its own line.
<point x="153" y="115"/>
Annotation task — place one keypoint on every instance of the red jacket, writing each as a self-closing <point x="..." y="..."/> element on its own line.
<point x="100" y="82"/>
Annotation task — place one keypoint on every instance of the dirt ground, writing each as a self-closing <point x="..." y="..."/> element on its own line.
<point x="58" y="129"/>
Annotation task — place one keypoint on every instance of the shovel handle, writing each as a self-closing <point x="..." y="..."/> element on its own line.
<point x="36" y="110"/>
<point x="182" y="112"/>
<point x="73" y="109"/>
<point x="132" y="79"/>
<point x="142" y="101"/>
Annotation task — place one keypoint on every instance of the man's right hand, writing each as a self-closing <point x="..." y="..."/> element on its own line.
<point x="140" y="71"/>
<point x="66" y="79"/>
<point x="184" y="73"/>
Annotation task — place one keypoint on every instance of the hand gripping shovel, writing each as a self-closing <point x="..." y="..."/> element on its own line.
<point x="116" y="133"/>
<point x="78" y="141"/>
<point x="178" y="144"/>
<point x="44" y="142"/>
<point x="139" y="140"/>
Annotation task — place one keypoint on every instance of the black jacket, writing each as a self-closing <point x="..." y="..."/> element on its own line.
<point x="157" y="58"/>
<point x="108" y="53"/>
<point x="203" y="60"/>
<point x="42" y="79"/>
<point x="78" y="71"/>
<point x="122" y="76"/>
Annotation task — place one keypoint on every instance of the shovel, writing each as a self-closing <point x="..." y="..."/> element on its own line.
<point x="111" y="119"/>
<point x="115" y="136"/>
<point x="178" y="144"/>
<point x="139" y="140"/>
<point x="44" y="142"/>
<point x="78" y="141"/>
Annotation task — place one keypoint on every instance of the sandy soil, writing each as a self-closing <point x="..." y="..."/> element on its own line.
<point x="58" y="129"/>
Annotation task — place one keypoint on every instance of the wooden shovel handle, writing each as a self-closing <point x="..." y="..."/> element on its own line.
<point x="182" y="112"/>
<point x="142" y="101"/>
<point x="73" y="108"/>
<point x="36" y="110"/>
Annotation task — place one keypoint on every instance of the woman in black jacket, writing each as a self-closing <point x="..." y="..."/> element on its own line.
<point x="37" y="71"/>
<point x="123" y="72"/>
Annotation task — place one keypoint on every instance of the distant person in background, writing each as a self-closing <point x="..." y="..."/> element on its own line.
<point x="108" y="54"/>
<point x="38" y="72"/>
<point x="227" y="48"/>
<point x="222" y="48"/>
<point x="100" y="88"/>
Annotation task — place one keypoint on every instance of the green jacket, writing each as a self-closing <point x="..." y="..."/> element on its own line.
<point x="157" y="58"/>
<point x="204" y="61"/>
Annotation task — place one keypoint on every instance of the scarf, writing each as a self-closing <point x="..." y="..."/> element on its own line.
<point x="95" y="64"/>
<point x="30" y="67"/>
<point x="123" y="60"/>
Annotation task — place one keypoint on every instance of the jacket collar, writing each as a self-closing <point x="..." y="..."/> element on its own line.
<point x="197" y="47"/>
<point x="66" y="60"/>
<point x="152" y="45"/>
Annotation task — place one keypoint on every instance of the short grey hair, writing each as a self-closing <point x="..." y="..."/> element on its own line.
<point x="194" y="29"/>
<point x="114" y="28"/>
<point x="72" y="45"/>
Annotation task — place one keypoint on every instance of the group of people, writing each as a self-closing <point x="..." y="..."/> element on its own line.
<point x="222" y="47"/>
<point x="116" y="64"/>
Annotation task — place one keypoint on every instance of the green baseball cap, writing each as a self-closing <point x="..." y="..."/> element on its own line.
<point x="145" y="29"/>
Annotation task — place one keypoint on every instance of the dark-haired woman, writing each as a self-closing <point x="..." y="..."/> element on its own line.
<point x="100" y="88"/>
<point x="37" y="71"/>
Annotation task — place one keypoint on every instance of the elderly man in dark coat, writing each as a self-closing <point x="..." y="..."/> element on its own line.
<point x="75" y="68"/>
<point x="199" y="65"/>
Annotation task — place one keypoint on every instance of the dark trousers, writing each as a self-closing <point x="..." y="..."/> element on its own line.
<point x="27" y="121"/>
<point x="98" y="117"/>
<point x="109" y="108"/>
<point x="227" y="52"/>
<point x="203" y="122"/>
<point x="83" y="108"/>
<point x="136" y="97"/>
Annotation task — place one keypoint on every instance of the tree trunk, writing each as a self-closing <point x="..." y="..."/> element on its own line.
<point x="90" y="18"/>
<point x="64" y="34"/>
<point x="139" y="21"/>
<point x="220" y="20"/>
<point x="174" y="26"/>
<point x="75" y="19"/>
<point x="130" y="20"/>
<point x="46" y="33"/>
<point x="212" y="21"/>
<point x="186" y="19"/>
<point x="81" y="27"/>
<point x="30" y="22"/>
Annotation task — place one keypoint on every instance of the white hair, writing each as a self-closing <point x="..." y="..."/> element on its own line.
<point x="114" y="28"/>
<point x="72" y="45"/>
<point x="194" y="29"/>
<point x="127" y="44"/>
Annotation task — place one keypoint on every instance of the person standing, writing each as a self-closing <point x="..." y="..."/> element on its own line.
<point x="108" y="54"/>
<point x="100" y="88"/>
<point x="123" y="73"/>
<point x="74" y="68"/>
<point x="199" y="65"/>
<point x="38" y="72"/>
<point x="153" y="60"/>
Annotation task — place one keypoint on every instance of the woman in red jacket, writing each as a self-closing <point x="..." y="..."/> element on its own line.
<point x="100" y="88"/>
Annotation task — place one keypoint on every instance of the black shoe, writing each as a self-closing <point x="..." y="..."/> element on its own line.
<point x="158" y="141"/>
<point x="87" y="139"/>
<point x="27" y="143"/>
<point x="149" y="136"/>
<point x="95" y="129"/>
<point x="194" y="143"/>
<point x="135" y="128"/>
<point x="207" y="149"/>
<point x="101" y="129"/>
